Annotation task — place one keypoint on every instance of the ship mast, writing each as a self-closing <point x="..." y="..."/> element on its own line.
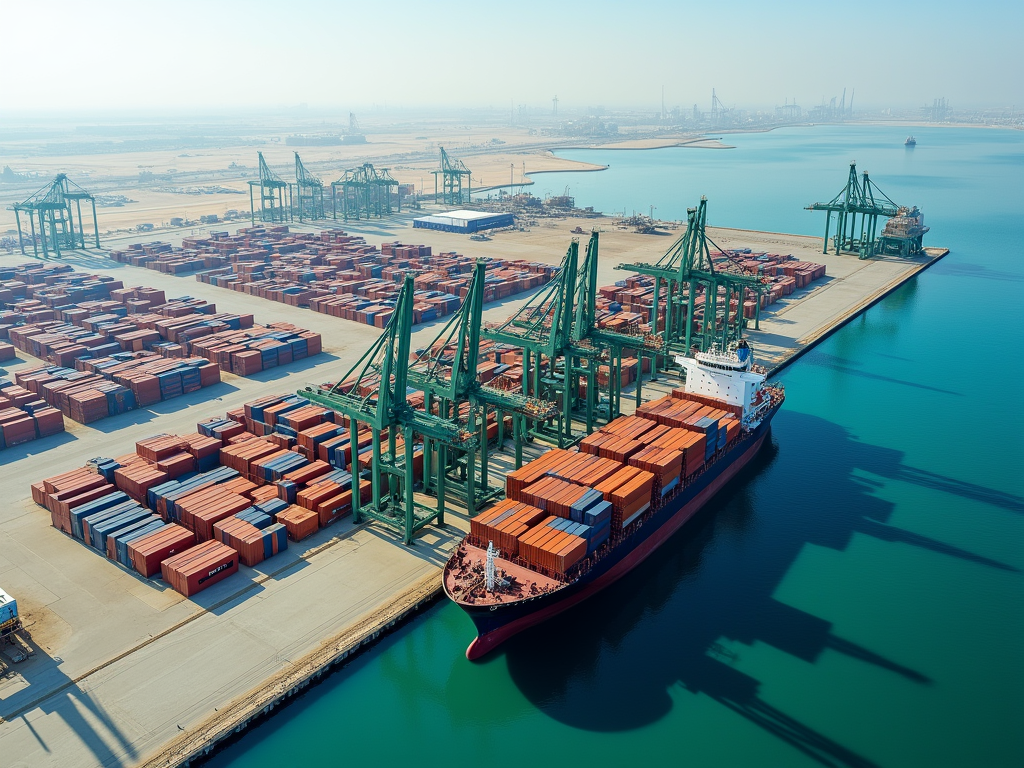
<point x="492" y="553"/>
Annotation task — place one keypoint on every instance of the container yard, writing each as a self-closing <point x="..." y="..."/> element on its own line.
<point x="173" y="542"/>
<point x="334" y="273"/>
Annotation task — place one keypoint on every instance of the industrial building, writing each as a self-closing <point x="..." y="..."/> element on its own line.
<point x="465" y="222"/>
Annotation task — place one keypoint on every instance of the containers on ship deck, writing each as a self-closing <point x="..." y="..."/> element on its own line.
<point x="504" y="523"/>
<point x="546" y="546"/>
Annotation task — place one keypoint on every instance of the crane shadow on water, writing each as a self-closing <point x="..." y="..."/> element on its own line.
<point x="662" y="626"/>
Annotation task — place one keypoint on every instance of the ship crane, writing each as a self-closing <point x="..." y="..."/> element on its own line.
<point x="491" y="579"/>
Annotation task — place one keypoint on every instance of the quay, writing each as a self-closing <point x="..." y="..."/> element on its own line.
<point x="122" y="671"/>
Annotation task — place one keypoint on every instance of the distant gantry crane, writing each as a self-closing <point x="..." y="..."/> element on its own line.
<point x="308" y="198"/>
<point x="859" y="197"/>
<point x="273" y="189"/>
<point x="54" y="207"/>
<point x="365" y="193"/>
<point x="451" y="173"/>
<point x="718" y="109"/>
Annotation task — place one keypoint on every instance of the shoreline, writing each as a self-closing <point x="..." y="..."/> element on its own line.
<point x="231" y="722"/>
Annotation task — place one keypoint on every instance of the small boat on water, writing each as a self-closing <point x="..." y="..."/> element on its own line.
<point x="910" y="142"/>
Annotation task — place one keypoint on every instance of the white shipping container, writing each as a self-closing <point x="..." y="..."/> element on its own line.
<point x="8" y="608"/>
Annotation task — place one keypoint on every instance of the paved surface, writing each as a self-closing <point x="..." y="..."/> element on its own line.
<point x="121" y="665"/>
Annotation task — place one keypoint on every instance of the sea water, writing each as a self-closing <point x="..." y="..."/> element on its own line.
<point x="854" y="598"/>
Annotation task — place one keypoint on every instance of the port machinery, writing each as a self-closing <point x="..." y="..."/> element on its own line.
<point x="861" y="197"/>
<point x="445" y="371"/>
<point x="562" y="345"/>
<point x="54" y="207"/>
<point x="686" y="266"/>
<point x="451" y="172"/>
<point x="375" y="392"/>
<point x="365" y="193"/>
<point x="273" y="189"/>
<point x="308" y="197"/>
<point x="556" y="327"/>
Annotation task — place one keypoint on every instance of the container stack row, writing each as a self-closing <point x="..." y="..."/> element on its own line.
<point x="42" y="321"/>
<point x="25" y="417"/>
<point x="631" y="301"/>
<point x="114" y="349"/>
<point x="107" y="386"/>
<point x="335" y="273"/>
<point x="278" y="468"/>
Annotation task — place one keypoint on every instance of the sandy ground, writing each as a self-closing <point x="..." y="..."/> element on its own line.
<point x="185" y="180"/>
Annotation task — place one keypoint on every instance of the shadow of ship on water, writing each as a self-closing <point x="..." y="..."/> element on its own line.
<point x="609" y="664"/>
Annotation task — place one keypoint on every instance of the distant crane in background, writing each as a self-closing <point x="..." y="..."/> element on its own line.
<point x="451" y="172"/>
<point x="718" y="109"/>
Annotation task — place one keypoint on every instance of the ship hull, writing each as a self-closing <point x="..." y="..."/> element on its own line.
<point x="497" y="623"/>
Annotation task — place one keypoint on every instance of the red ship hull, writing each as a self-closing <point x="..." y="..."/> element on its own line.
<point x="494" y="629"/>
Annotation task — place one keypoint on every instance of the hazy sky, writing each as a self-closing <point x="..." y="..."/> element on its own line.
<point x="341" y="55"/>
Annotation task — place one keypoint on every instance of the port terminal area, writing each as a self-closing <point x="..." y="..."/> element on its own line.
<point x="124" y="671"/>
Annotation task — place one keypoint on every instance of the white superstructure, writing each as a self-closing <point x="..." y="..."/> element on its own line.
<point x="728" y="377"/>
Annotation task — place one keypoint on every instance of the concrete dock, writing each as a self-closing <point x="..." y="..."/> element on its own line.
<point x="125" y="671"/>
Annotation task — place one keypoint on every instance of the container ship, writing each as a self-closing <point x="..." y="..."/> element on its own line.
<point x="575" y="521"/>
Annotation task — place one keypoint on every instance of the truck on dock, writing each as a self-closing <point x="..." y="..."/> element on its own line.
<point x="10" y="622"/>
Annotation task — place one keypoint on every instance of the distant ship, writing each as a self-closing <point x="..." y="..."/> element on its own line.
<point x="910" y="142"/>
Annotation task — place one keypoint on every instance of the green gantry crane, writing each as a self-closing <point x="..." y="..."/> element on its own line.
<point x="686" y="266"/>
<point x="385" y="408"/>
<point x="365" y="193"/>
<point x="52" y="207"/>
<point x="451" y="173"/>
<point x="585" y="331"/>
<point x="446" y="373"/>
<point x="557" y="326"/>
<point x="308" y="198"/>
<point x="859" y="196"/>
<point x="273" y="207"/>
<point x="542" y="328"/>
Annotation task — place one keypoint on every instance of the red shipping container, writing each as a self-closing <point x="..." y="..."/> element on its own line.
<point x="200" y="567"/>
<point x="148" y="552"/>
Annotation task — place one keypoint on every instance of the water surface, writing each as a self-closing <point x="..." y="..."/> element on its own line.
<point x="856" y="598"/>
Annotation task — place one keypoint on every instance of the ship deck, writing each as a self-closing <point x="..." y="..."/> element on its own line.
<point x="464" y="579"/>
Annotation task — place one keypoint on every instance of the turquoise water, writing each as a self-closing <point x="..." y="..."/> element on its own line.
<point x="855" y="599"/>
